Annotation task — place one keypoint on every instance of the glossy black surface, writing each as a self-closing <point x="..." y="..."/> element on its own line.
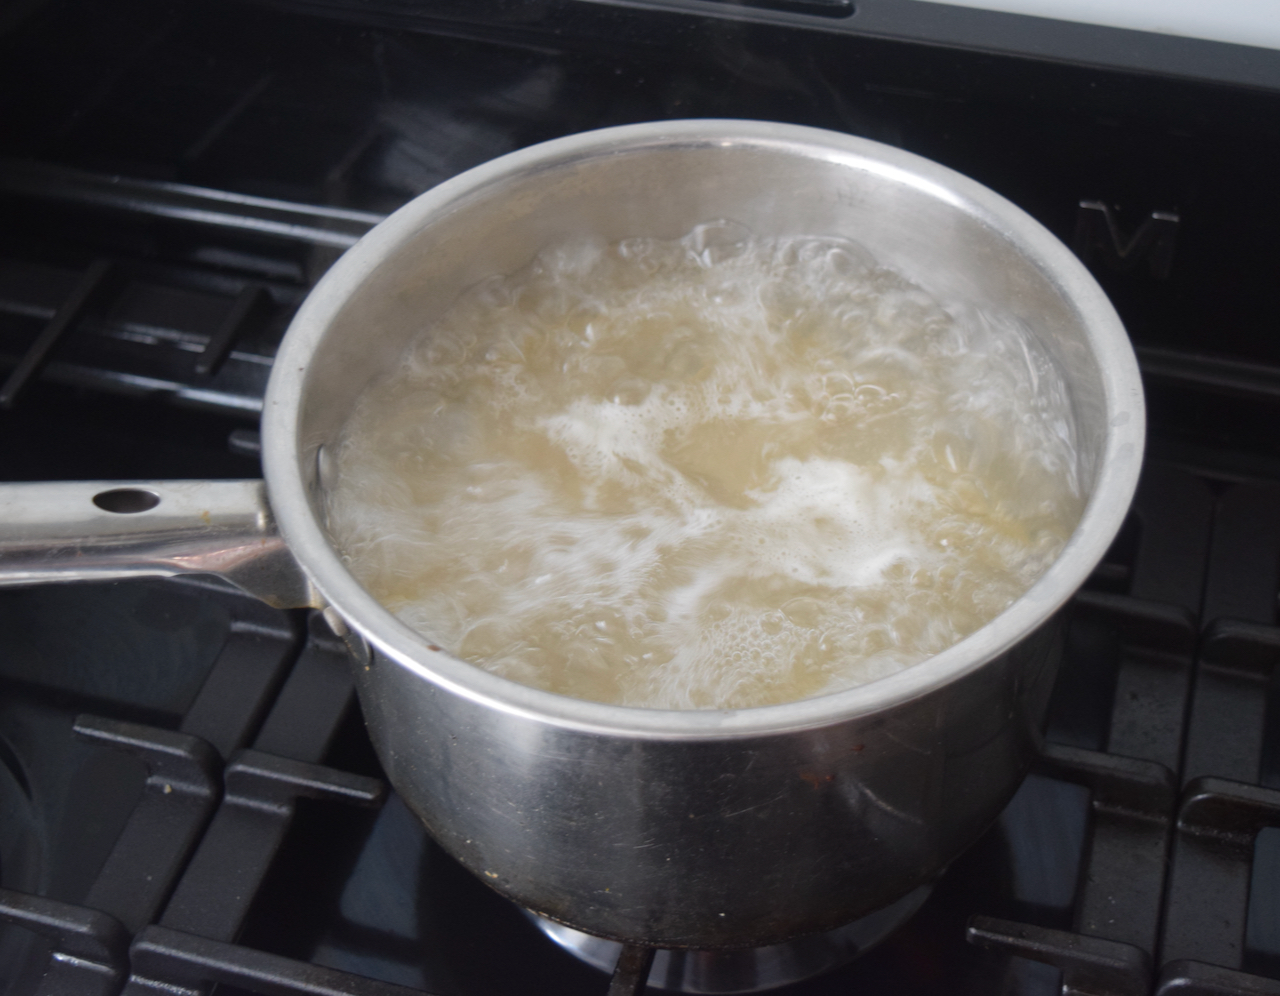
<point x="320" y="111"/>
<point x="159" y="373"/>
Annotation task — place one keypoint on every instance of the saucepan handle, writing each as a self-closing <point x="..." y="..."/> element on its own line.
<point x="97" y="530"/>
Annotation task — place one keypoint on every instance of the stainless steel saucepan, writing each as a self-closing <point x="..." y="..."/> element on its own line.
<point x="697" y="829"/>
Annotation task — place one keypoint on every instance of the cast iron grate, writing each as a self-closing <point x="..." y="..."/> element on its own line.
<point x="168" y="910"/>
<point x="1203" y="681"/>
<point x="168" y="905"/>
<point x="201" y="329"/>
<point x="174" y="892"/>
<point x="1163" y="719"/>
<point x="1172" y="651"/>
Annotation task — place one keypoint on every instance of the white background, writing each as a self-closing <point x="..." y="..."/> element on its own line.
<point x="1244" y="22"/>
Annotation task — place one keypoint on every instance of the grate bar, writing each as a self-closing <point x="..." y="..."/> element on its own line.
<point x="315" y="698"/>
<point x="247" y="304"/>
<point x="168" y="961"/>
<point x="91" y="945"/>
<point x="242" y="683"/>
<point x="182" y="790"/>
<point x="1090" y="966"/>
<point x="312" y="224"/>
<point x="632" y="973"/>
<point x="1133" y="801"/>
<point x="261" y="793"/>
<point x="64" y="318"/>
<point x="1208" y="890"/>
<point x="1193" y="978"/>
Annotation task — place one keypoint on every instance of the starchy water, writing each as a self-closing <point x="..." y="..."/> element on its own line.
<point x="716" y="472"/>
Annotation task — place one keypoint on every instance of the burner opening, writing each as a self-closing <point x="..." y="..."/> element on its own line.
<point x="748" y="970"/>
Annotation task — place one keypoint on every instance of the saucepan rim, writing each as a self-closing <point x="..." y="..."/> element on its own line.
<point x="1116" y="479"/>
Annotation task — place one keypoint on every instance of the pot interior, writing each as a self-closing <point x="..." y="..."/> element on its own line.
<point x="933" y="235"/>
<point x="956" y="239"/>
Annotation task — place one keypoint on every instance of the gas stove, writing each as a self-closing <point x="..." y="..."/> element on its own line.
<point x="188" y="798"/>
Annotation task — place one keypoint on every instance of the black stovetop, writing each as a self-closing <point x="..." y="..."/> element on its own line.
<point x="187" y="794"/>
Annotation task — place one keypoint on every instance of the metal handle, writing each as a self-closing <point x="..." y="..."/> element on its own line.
<point x="96" y="530"/>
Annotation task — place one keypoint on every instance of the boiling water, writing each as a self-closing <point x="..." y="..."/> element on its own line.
<point x="717" y="472"/>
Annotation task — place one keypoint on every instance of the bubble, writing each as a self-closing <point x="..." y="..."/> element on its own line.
<point x="719" y="471"/>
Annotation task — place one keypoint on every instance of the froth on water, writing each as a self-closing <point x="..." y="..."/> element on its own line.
<point x="720" y="471"/>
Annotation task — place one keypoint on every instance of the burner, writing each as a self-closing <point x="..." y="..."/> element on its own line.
<point x="749" y="970"/>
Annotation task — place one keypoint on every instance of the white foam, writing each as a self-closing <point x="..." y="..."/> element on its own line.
<point x="716" y="472"/>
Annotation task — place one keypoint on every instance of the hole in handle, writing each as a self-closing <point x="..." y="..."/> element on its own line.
<point x="126" y="501"/>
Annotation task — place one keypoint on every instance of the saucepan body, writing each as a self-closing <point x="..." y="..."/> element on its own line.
<point x="706" y="828"/>
<point x="700" y="829"/>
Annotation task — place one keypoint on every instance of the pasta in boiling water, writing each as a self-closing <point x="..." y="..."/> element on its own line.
<point x="715" y="472"/>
